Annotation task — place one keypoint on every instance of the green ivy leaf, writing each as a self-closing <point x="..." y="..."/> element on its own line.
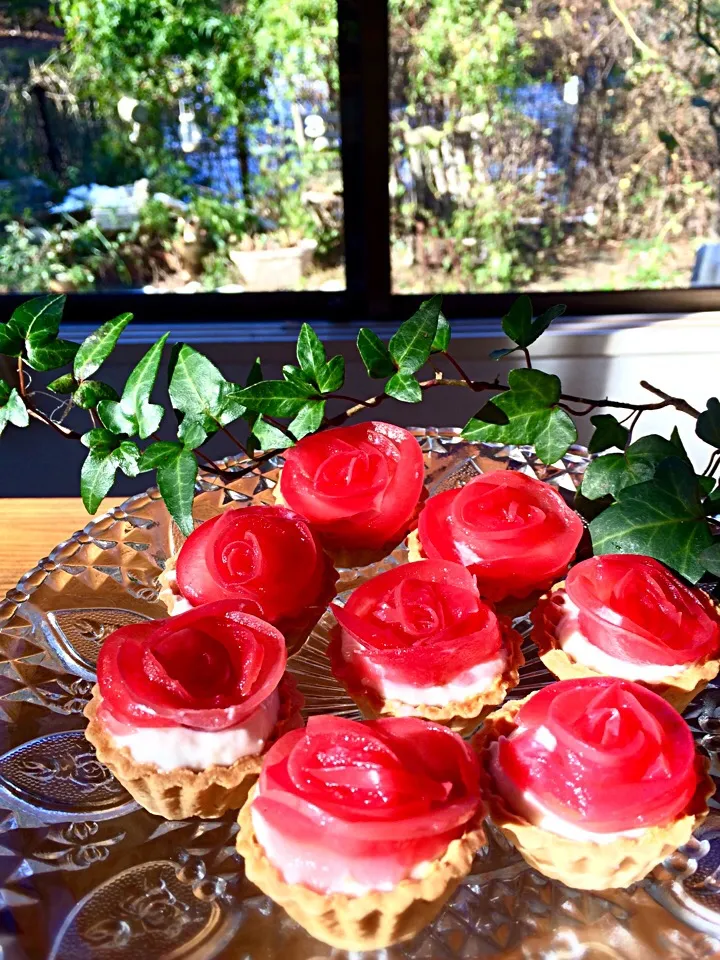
<point x="176" y="478"/>
<point x="255" y="375"/>
<point x="11" y="343"/>
<point x="611" y="473"/>
<point x="492" y="414"/>
<point x="269" y="437"/>
<point x="661" y="518"/>
<point x="711" y="558"/>
<point x="375" y="355"/>
<point x="295" y="375"/>
<point x="404" y="386"/>
<point x="708" y="423"/>
<point x="609" y="432"/>
<point x="133" y="413"/>
<point x="331" y="375"/>
<point x="12" y="407"/>
<point x="64" y="384"/>
<point x="192" y="432"/>
<point x="410" y="347"/>
<point x="499" y="354"/>
<point x="158" y="453"/>
<point x="200" y="392"/>
<point x="50" y="355"/>
<point x="96" y="348"/>
<point x="442" y="335"/>
<point x="707" y="484"/>
<point x="518" y="323"/>
<point x="308" y="419"/>
<point x="277" y="398"/>
<point x="533" y="416"/>
<point x="39" y="318"/>
<point x="108" y="454"/>
<point x="91" y="392"/>
<point x="676" y="440"/>
<point x="310" y="353"/>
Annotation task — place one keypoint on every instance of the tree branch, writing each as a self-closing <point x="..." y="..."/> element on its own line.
<point x="682" y="405"/>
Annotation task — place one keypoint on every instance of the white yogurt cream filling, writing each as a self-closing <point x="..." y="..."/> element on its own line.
<point x="180" y="605"/>
<point x="576" y="645"/>
<point x="172" y="747"/>
<point x="461" y="687"/>
<point x="327" y="871"/>
<point x="528" y="805"/>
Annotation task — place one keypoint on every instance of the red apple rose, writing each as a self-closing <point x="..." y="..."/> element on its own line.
<point x="515" y="533"/>
<point x="358" y="486"/>
<point x="209" y="669"/>
<point x="420" y="623"/>
<point x="634" y="608"/>
<point x="392" y="790"/>
<point x="612" y="755"/>
<point x="266" y="560"/>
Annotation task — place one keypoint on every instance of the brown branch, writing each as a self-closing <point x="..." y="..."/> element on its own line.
<point x="235" y="440"/>
<point x="459" y="369"/>
<point x="528" y="361"/>
<point x="63" y="431"/>
<point x="682" y="405"/>
<point x="21" y="378"/>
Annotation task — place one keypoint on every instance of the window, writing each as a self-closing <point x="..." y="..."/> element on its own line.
<point x="344" y="158"/>
<point x="552" y="145"/>
<point x="160" y="147"/>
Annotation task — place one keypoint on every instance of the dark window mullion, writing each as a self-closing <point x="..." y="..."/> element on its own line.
<point x="365" y="118"/>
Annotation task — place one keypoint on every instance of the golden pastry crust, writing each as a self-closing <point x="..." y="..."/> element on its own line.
<point x="460" y="715"/>
<point x="180" y="793"/>
<point x="679" y="690"/>
<point x="585" y="865"/>
<point x="352" y="557"/>
<point x="373" y="920"/>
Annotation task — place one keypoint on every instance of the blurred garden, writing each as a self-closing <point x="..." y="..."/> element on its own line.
<point x="194" y="145"/>
<point x="553" y="144"/>
<point x="156" y="145"/>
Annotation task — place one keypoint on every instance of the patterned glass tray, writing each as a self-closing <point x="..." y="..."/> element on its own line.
<point x="86" y="873"/>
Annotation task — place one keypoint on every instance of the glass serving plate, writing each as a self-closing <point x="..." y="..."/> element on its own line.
<point x="86" y="873"/>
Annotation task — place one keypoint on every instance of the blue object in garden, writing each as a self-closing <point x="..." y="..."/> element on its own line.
<point x="706" y="271"/>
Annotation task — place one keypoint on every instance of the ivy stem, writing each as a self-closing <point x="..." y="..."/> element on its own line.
<point x="63" y="431"/>
<point x="93" y="420"/>
<point x="235" y="440"/>
<point x="633" y="423"/>
<point x="459" y="369"/>
<point x="21" y="378"/>
<point x="279" y="426"/>
<point x="682" y="405"/>
<point x="713" y="463"/>
<point x="528" y="361"/>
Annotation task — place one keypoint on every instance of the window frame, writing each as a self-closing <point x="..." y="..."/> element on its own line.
<point x="363" y="61"/>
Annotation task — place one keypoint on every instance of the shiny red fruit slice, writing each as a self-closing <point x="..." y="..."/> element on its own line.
<point x="420" y="623"/>
<point x="208" y="669"/>
<point x="515" y="533"/>
<point x="612" y="755"/>
<point x="635" y="609"/>
<point x="358" y="486"/>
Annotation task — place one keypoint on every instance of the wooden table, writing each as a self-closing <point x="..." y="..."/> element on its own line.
<point x="30" y="528"/>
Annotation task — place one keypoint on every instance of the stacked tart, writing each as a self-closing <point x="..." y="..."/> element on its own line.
<point x="265" y="559"/>
<point x="516" y="534"/>
<point x="359" y="488"/>
<point x="595" y="781"/>
<point x="628" y="616"/>
<point x="362" y="831"/>
<point x="185" y="707"/>
<point x="418" y="641"/>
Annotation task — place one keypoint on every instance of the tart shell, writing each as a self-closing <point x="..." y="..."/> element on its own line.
<point x="461" y="716"/>
<point x="585" y="865"/>
<point x="357" y="557"/>
<point x="372" y="920"/>
<point x="678" y="690"/>
<point x="181" y="792"/>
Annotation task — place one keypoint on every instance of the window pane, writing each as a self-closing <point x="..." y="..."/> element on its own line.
<point x="161" y="147"/>
<point x="553" y="144"/>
